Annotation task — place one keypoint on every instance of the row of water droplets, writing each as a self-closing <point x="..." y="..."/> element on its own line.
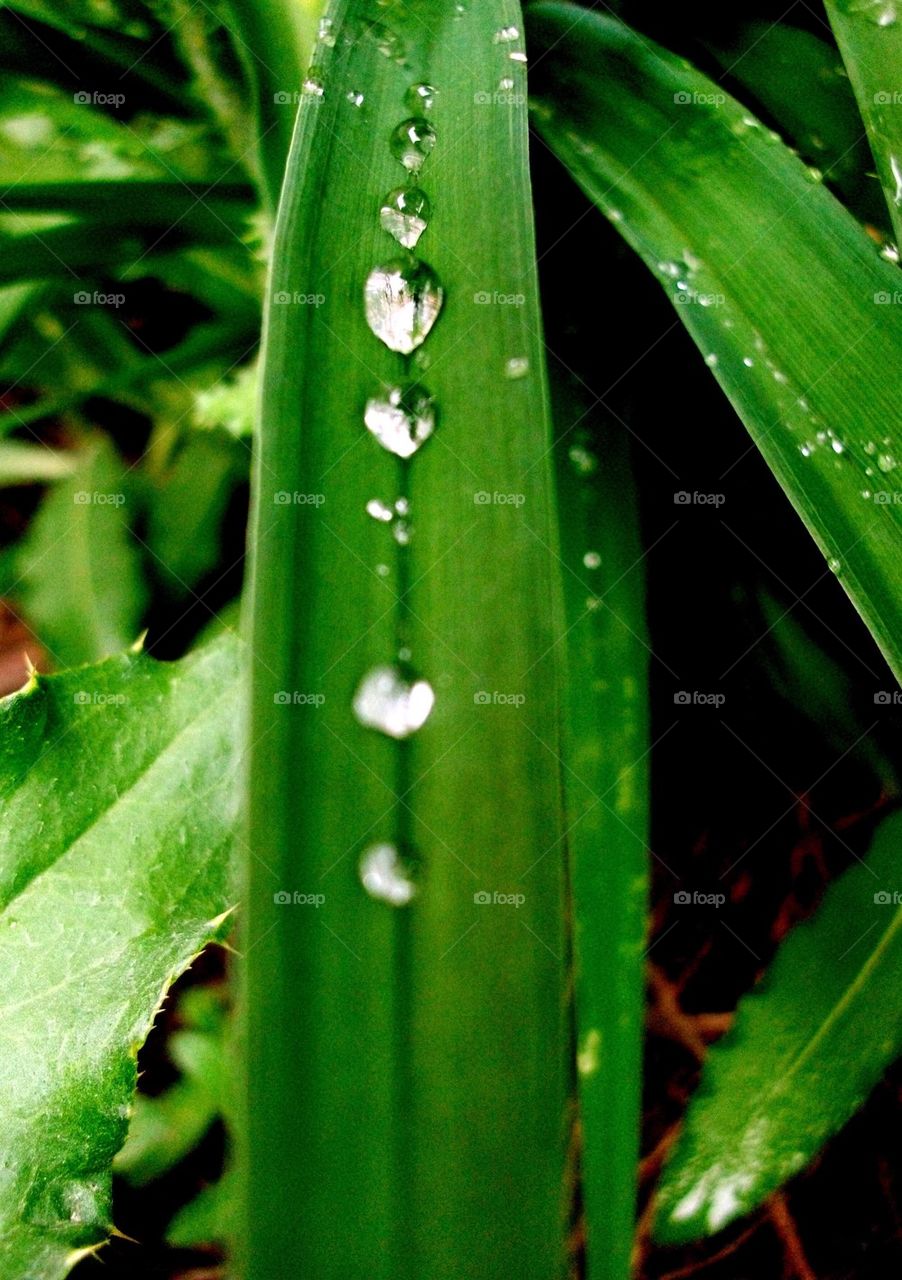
<point x="402" y="300"/>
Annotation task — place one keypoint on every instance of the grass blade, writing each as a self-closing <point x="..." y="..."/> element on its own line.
<point x="408" y="1141"/>
<point x="776" y="282"/>
<point x="870" y="40"/>
<point x="606" y="785"/>
<point x="801" y="1057"/>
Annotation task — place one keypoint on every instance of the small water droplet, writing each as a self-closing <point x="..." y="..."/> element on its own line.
<point x="325" y="34"/>
<point x="402" y="506"/>
<point x="516" y="367"/>
<point x="402" y="301"/>
<point x="387" y="875"/>
<point x="748" y="362"/>
<point x="420" y="97"/>
<point x="313" y="86"/>
<point x="382" y="570"/>
<point x="711" y="360"/>
<point x="402" y="419"/>
<point x="517" y="56"/>
<point x="866" y="494"/>
<point x="404" y="214"/>
<point x="388" y="42"/>
<point x="837" y="446"/>
<point x="886" y="462"/>
<point x="354" y="97"/>
<point x="834" y="565"/>
<point x="412" y="142"/>
<point x="881" y="12"/>
<point x="389" y="701"/>
<point x="379" y="511"/>
<point x="402" y="532"/>
<point x="591" y="559"/>
<point x="505" y="35"/>
<point x="505" y="84"/>
<point x="593" y="604"/>
<point x="584" y="461"/>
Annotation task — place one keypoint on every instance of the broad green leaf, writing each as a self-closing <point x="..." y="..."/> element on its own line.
<point x="80" y="579"/>
<point x="806" y="1048"/>
<point x="417" y="1122"/>
<point x="869" y="35"/>
<point x="784" y="293"/>
<point x="606" y="787"/>
<point x="118" y="797"/>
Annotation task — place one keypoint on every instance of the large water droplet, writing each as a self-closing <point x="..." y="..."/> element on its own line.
<point x="396" y="705"/>
<point x="404" y="214"/>
<point x="402" y="419"/>
<point x="886" y="462"/>
<point x="420" y="97"/>
<point x="402" y="300"/>
<point x="412" y="142"/>
<point x="387" y="875"/>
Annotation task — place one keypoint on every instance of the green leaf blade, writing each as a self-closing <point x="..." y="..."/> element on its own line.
<point x="783" y="292"/>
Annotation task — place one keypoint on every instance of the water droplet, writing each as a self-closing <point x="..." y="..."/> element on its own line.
<point x="382" y="570"/>
<point x="402" y="533"/>
<point x="889" y="253"/>
<point x="834" y="565"/>
<point x="593" y="604"/>
<point x="748" y="362"/>
<point x="805" y="450"/>
<point x="506" y="35"/>
<point x="387" y="875"/>
<point x="388" y="42"/>
<point x="583" y="460"/>
<point x="866" y="494"/>
<point x="404" y="214"/>
<point x="402" y="506"/>
<point x="402" y="300"/>
<point x="886" y="462"/>
<point x="379" y="511"/>
<point x="412" y="142"/>
<point x="516" y="367"/>
<point x="404" y="654"/>
<point x="517" y="57"/>
<point x="387" y="700"/>
<point x="420" y="97"/>
<point x="354" y="97"/>
<point x="711" y="360"/>
<point x="837" y="446"/>
<point x="591" y="559"/>
<point x="402" y="419"/>
<point x="325" y="34"/>
<point x="881" y="12"/>
<point x="505" y="84"/>
<point x="313" y="86"/>
<point x="870" y="447"/>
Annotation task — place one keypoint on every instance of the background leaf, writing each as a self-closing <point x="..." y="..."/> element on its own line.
<point x="806" y="1048"/>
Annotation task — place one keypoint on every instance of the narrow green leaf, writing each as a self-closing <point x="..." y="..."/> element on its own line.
<point x="778" y="285"/>
<point x="606" y="784"/>
<point x="407" y="1066"/>
<point x="112" y="878"/>
<point x="869" y="35"/>
<point x="807" y="1047"/>
<point x="81" y="585"/>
